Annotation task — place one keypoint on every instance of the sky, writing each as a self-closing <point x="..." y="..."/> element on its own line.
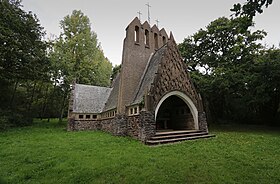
<point x="109" y="18"/>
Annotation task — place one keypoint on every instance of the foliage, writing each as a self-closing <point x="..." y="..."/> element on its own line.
<point x="265" y="86"/>
<point x="220" y="58"/>
<point x="236" y="75"/>
<point x="76" y="54"/>
<point x="22" y="53"/>
<point x="116" y="71"/>
<point x="250" y="8"/>
<point x="46" y="153"/>
<point x="23" y="62"/>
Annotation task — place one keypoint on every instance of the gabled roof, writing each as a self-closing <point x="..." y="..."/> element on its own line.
<point x="90" y="99"/>
<point x="112" y="101"/>
<point x="149" y="75"/>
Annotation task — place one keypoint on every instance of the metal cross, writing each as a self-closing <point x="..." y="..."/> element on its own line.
<point x="149" y="6"/>
<point x="139" y="13"/>
<point x="157" y="22"/>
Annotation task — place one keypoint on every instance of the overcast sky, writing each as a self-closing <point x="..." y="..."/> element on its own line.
<point x="109" y="18"/>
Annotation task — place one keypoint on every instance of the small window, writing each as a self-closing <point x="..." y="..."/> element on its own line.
<point x="87" y="116"/>
<point x="94" y="116"/>
<point x="156" y="40"/>
<point x="147" y="38"/>
<point x="163" y="40"/>
<point x="131" y="111"/>
<point x="135" y="110"/>
<point x="136" y="34"/>
<point x="81" y="116"/>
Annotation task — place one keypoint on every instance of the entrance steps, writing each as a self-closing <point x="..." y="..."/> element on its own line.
<point x="164" y="137"/>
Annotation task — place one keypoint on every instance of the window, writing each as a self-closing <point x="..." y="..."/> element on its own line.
<point x="94" y="116"/>
<point x="136" y="34"/>
<point x="81" y="116"/>
<point x="87" y="116"/>
<point x="131" y="111"/>
<point x="147" y="38"/>
<point x="163" y="40"/>
<point x="156" y="40"/>
<point x="135" y="110"/>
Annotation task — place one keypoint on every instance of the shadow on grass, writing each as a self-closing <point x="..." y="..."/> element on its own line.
<point x="52" y="123"/>
<point x="246" y="128"/>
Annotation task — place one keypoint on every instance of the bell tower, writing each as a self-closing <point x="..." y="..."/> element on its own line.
<point x="140" y="43"/>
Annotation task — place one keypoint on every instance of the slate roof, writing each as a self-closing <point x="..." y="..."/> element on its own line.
<point x="112" y="101"/>
<point x="95" y="99"/>
<point x="149" y="74"/>
<point x="90" y="99"/>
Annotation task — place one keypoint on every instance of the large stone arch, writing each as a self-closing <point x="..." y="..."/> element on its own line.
<point x="186" y="99"/>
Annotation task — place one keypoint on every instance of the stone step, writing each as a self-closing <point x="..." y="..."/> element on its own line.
<point x="172" y="140"/>
<point x="177" y="132"/>
<point x="168" y="136"/>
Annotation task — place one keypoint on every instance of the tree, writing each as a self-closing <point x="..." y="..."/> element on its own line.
<point x="265" y="88"/>
<point x="250" y="8"/>
<point x="77" y="56"/>
<point x="116" y="71"/>
<point x="237" y="76"/>
<point x="22" y="59"/>
<point x="22" y="49"/>
<point x="220" y="59"/>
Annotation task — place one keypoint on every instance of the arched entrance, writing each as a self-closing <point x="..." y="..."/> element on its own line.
<point x="176" y="111"/>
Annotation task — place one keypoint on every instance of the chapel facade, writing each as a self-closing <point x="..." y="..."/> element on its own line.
<point x="152" y="95"/>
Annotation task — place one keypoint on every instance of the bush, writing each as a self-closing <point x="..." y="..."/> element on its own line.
<point x="4" y="122"/>
<point x="10" y="119"/>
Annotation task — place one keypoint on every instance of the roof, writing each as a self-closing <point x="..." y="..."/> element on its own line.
<point x="90" y="99"/>
<point x="149" y="74"/>
<point x="113" y="98"/>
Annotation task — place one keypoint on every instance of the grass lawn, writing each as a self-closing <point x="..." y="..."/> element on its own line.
<point x="46" y="153"/>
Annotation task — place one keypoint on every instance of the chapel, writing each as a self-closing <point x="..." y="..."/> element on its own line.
<point x="152" y="99"/>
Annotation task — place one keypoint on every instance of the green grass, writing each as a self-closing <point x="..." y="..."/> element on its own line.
<point x="46" y="153"/>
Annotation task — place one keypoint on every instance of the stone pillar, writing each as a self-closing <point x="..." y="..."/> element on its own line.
<point x="120" y="125"/>
<point x="147" y="125"/>
<point x="202" y="123"/>
<point x="71" y="124"/>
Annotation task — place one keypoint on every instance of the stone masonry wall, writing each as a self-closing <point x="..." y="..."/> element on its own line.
<point x="147" y="125"/>
<point x="120" y="125"/>
<point x="107" y="125"/>
<point x="74" y="125"/>
<point x="133" y="126"/>
<point x="172" y="75"/>
<point x="202" y="123"/>
<point x="140" y="127"/>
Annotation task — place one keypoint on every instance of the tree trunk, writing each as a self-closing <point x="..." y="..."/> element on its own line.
<point x="14" y="93"/>
<point x="62" y="106"/>
<point x="32" y="96"/>
<point x="45" y="103"/>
